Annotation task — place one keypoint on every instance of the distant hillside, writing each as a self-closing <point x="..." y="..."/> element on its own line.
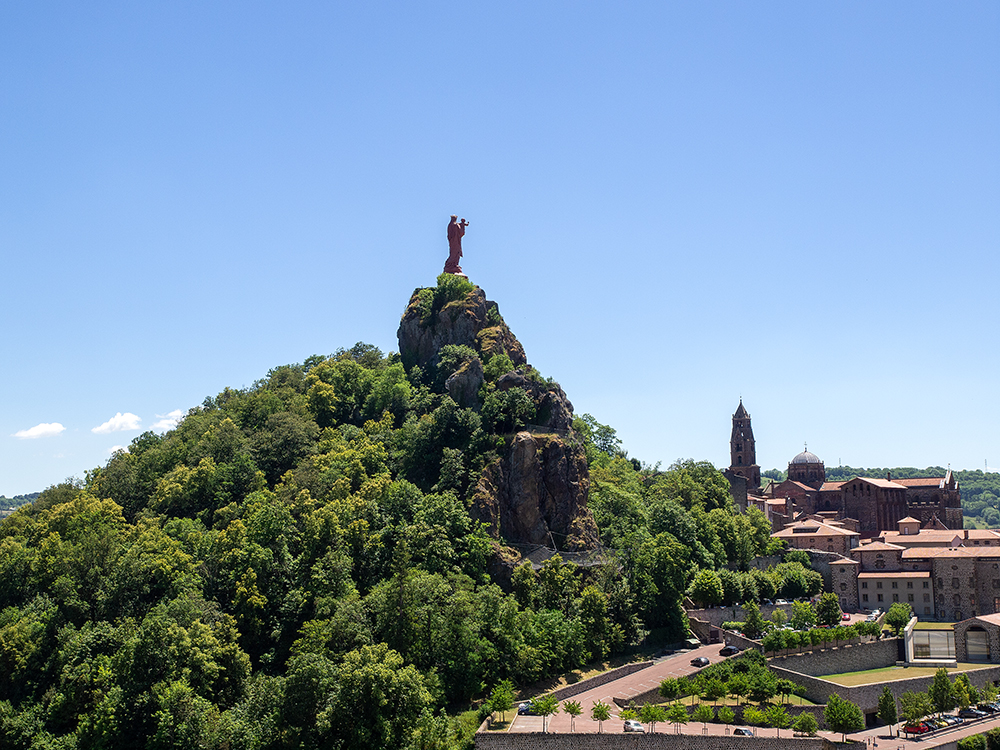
<point x="980" y="490"/>
<point x="18" y="500"/>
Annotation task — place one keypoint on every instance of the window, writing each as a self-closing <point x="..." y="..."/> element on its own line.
<point x="880" y="597"/>
<point x="909" y="597"/>
<point x="895" y="585"/>
<point x="909" y="584"/>
<point x="895" y="597"/>
<point x="878" y="584"/>
<point x="927" y="610"/>
<point x="954" y="583"/>
<point x="927" y="584"/>
<point x="864" y="584"/>
<point x="864" y="597"/>
<point x="972" y="582"/>
<point x="956" y="600"/>
<point x="927" y="597"/>
<point x="843" y="587"/>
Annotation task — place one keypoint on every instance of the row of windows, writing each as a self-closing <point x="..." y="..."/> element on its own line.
<point x="895" y="598"/>
<point x="895" y="584"/>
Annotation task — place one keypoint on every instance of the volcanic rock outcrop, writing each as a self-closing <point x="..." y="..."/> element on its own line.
<point x="536" y="491"/>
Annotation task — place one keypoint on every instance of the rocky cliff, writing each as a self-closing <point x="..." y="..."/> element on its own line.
<point x="535" y="492"/>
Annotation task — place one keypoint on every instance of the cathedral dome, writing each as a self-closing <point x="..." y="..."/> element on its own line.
<point x="805" y="457"/>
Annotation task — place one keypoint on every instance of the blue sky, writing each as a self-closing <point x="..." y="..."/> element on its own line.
<point x="674" y="204"/>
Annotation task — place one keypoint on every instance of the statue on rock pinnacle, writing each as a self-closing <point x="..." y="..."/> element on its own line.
<point x="456" y="230"/>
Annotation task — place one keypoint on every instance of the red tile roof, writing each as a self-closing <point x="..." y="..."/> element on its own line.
<point x="897" y="574"/>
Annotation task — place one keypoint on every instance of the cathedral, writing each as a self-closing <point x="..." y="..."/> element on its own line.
<point x="868" y="506"/>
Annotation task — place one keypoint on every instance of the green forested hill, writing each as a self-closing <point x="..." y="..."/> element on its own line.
<point x="295" y="566"/>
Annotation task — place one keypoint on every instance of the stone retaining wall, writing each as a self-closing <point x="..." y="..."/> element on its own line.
<point x="597" y="680"/>
<point x="577" y="741"/>
<point x="855" y="657"/>
<point x="866" y="697"/>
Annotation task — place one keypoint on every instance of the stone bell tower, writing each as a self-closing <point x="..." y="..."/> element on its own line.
<point x="742" y="451"/>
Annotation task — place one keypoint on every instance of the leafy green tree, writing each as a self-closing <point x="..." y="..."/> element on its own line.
<point x="627" y="713"/>
<point x="545" y="707"/>
<point x="726" y="715"/>
<point x="897" y="617"/>
<point x="942" y="692"/>
<point x="915" y="706"/>
<point x="573" y="709"/>
<point x="502" y="698"/>
<point x="703" y="713"/>
<point x="600" y="712"/>
<point x="753" y="623"/>
<point x="677" y="715"/>
<point x="777" y="717"/>
<point x="754" y="716"/>
<point x="805" y="724"/>
<point x="799" y="556"/>
<point x="670" y="688"/>
<point x="803" y="615"/>
<point x="887" y="707"/>
<point x="706" y="588"/>
<point x="828" y="611"/>
<point x="651" y="714"/>
<point x="377" y="702"/>
<point x="971" y="692"/>
<point x="843" y="716"/>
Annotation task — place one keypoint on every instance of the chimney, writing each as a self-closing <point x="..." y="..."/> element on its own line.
<point x="888" y="475"/>
<point x="966" y="533"/>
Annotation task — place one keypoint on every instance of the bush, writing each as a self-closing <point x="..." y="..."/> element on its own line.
<point x="975" y="742"/>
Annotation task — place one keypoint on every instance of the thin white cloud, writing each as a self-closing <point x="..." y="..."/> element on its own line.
<point x="118" y="423"/>
<point x="115" y="448"/>
<point x="168" y="421"/>
<point x="45" y="429"/>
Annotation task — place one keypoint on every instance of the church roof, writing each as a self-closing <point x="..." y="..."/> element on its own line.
<point x="805" y="457"/>
<point x="877" y="547"/>
<point x="741" y="413"/>
<point x="883" y="483"/>
<point x="798" y="528"/>
<point x="830" y="486"/>
<point x="921" y="482"/>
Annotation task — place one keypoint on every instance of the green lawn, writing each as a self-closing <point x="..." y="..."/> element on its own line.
<point x="934" y="626"/>
<point x="890" y="674"/>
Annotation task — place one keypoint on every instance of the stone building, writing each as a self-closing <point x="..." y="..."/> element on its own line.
<point x="978" y="639"/>
<point x="876" y="504"/>
<point x="941" y="583"/>
<point x="743" y="451"/>
<point x="814" y="534"/>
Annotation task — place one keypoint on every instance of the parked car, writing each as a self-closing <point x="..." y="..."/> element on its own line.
<point x="633" y="725"/>
<point x="845" y="617"/>
<point x="921" y="728"/>
<point x="729" y="651"/>
<point x="525" y="709"/>
<point x="742" y="732"/>
<point x="936" y="722"/>
<point x="971" y="713"/>
<point x="952" y="721"/>
<point x="778" y="602"/>
<point x="990" y="708"/>
<point x="701" y="661"/>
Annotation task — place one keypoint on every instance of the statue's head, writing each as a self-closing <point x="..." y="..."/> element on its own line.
<point x="454" y="217"/>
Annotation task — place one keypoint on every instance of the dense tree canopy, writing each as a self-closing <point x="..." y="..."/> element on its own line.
<point x="294" y="565"/>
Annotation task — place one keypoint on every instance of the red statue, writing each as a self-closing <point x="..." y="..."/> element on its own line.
<point x="456" y="230"/>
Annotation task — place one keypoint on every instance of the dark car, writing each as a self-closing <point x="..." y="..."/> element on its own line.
<point x="990" y="708"/>
<point x="729" y="651"/>
<point x="525" y="709"/>
<point x="971" y="713"/>
<point x="742" y="733"/>
<point x="701" y="661"/>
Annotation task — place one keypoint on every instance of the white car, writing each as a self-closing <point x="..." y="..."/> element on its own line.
<point x="633" y="725"/>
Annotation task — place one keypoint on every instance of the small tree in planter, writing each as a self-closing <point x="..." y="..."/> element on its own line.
<point x="703" y="714"/>
<point x="573" y="709"/>
<point x="805" y="724"/>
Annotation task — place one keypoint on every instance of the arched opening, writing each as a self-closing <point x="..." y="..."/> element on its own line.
<point x="977" y="644"/>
